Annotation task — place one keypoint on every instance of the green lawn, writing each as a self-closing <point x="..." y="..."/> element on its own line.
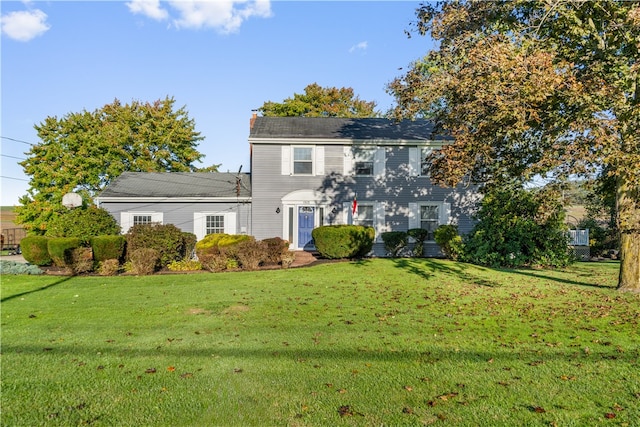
<point x="380" y="342"/>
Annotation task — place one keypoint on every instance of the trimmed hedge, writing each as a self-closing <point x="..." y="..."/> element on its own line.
<point x="395" y="242"/>
<point x="343" y="241"/>
<point x="108" y="247"/>
<point x="219" y="251"/>
<point x="60" y="250"/>
<point x="35" y="250"/>
<point x="83" y="223"/>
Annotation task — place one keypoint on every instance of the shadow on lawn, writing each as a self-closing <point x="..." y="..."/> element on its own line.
<point x="42" y="288"/>
<point x="427" y="267"/>
<point x="428" y="355"/>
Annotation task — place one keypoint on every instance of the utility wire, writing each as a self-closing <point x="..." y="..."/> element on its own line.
<point x="17" y="140"/>
<point x="17" y="179"/>
<point x="12" y="157"/>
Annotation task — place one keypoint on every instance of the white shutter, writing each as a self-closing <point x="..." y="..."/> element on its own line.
<point x="230" y="223"/>
<point x="286" y="160"/>
<point x="379" y="220"/>
<point x="414" y="161"/>
<point x="378" y="162"/>
<point x="445" y="213"/>
<point x="198" y="225"/>
<point x="319" y="160"/>
<point x="126" y="221"/>
<point x="156" y="217"/>
<point x="346" y="210"/>
<point x="414" y="216"/>
<point x="348" y="161"/>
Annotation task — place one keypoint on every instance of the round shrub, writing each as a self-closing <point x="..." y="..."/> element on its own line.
<point x="83" y="224"/>
<point x="35" y="250"/>
<point x="277" y="249"/>
<point x="108" y="267"/>
<point x="450" y="242"/>
<point x="420" y="235"/>
<point x="60" y="250"/>
<point x="108" y="247"/>
<point x="167" y="239"/>
<point x="394" y="242"/>
<point x="343" y="241"/>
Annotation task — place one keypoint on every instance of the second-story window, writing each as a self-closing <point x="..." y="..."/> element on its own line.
<point x="302" y="160"/>
<point x="364" y="161"/>
<point x="425" y="163"/>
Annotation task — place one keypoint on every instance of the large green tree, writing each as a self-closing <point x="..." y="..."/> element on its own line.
<point x="317" y="101"/>
<point x="532" y="88"/>
<point x="82" y="152"/>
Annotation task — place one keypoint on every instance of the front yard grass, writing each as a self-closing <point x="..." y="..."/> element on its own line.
<point x="379" y="342"/>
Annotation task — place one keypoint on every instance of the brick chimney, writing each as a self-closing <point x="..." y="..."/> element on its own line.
<point x="253" y="118"/>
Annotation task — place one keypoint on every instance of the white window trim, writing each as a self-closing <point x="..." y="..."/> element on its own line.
<point x="199" y="222"/>
<point x="126" y="219"/>
<point x="444" y="213"/>
<point x="317" y="160"/>
<point x="415" y="160"/>
<point x="379" y="159"/>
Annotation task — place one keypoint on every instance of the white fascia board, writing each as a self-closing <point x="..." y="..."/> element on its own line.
<point x="333" y="141"/>
<point x="173" y="199"/>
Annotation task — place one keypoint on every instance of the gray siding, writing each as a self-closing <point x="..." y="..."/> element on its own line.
<point x="396" y="189"/>
<point x="181" y="214"/>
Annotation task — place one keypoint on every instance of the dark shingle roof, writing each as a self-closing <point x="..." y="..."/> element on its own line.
<point x="178" y="185"/>
<point x="342" y="128"/>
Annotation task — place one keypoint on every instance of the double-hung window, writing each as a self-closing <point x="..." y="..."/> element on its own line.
<point x="364" y="161"/>
<point x="141" y="219"/>
<point x="430" y="219"/>
<point x="214" y="224"/>
<point x="302" y="160"/>
<point x="425" y="163"/>
<point x="364" y="216"/>
<point x="428" y="215"/>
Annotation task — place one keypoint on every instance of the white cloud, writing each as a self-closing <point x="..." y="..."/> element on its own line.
<point x="359" y="46"/>
<point x="225" y="16"/>
<point x="24" y="25"/>
<point x="150" y="8"/>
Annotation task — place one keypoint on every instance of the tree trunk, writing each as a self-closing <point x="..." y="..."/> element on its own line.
<point x="629" y="279"/>
<point x="629" y="225"/>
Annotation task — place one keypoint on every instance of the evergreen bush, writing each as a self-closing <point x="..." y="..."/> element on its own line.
<point x="108" y="247"/>
<point x="394" y="242"/>
<point x="60" y="250"/>
<point x="35" y="250"/>
<point x="83" y="223"/>
<point x="219" y="251"/>
<point x="343" y="241"/>
<point x="13" y="267"/>
<point x="420" y="235"/>
<point x="450" y="242"/>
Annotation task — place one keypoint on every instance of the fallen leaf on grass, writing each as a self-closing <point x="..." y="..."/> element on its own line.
<point x="150" y="371"/>
<point x="407" y="410"/>
<point x="345" y="410"/>
<point x="171" y="368"/>
<point x="408" y="388"/>
<point x="538" y="409"/>
<point x="186" y="375"/>
<point x="609" y="415"/>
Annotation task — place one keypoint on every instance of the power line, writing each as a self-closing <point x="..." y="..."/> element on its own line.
<point x="17" y="140"/>
<point x="17" y="179"/>
<point x="12" y="157"/>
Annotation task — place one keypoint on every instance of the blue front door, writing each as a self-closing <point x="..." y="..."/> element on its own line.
<point x="305" y="226"/>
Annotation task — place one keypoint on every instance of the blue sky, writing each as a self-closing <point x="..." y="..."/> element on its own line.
<point x="219" y="59"/>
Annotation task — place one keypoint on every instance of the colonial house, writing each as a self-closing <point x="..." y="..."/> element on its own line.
<point x="305" y="173"/>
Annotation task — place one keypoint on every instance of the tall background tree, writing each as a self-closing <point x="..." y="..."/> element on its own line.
<point x="82" y="152"/>
<point x="317" y="101"/>
<point x="527" y="89"/>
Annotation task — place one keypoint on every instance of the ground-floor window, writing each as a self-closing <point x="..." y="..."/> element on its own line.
<point x="129" y="219"/>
